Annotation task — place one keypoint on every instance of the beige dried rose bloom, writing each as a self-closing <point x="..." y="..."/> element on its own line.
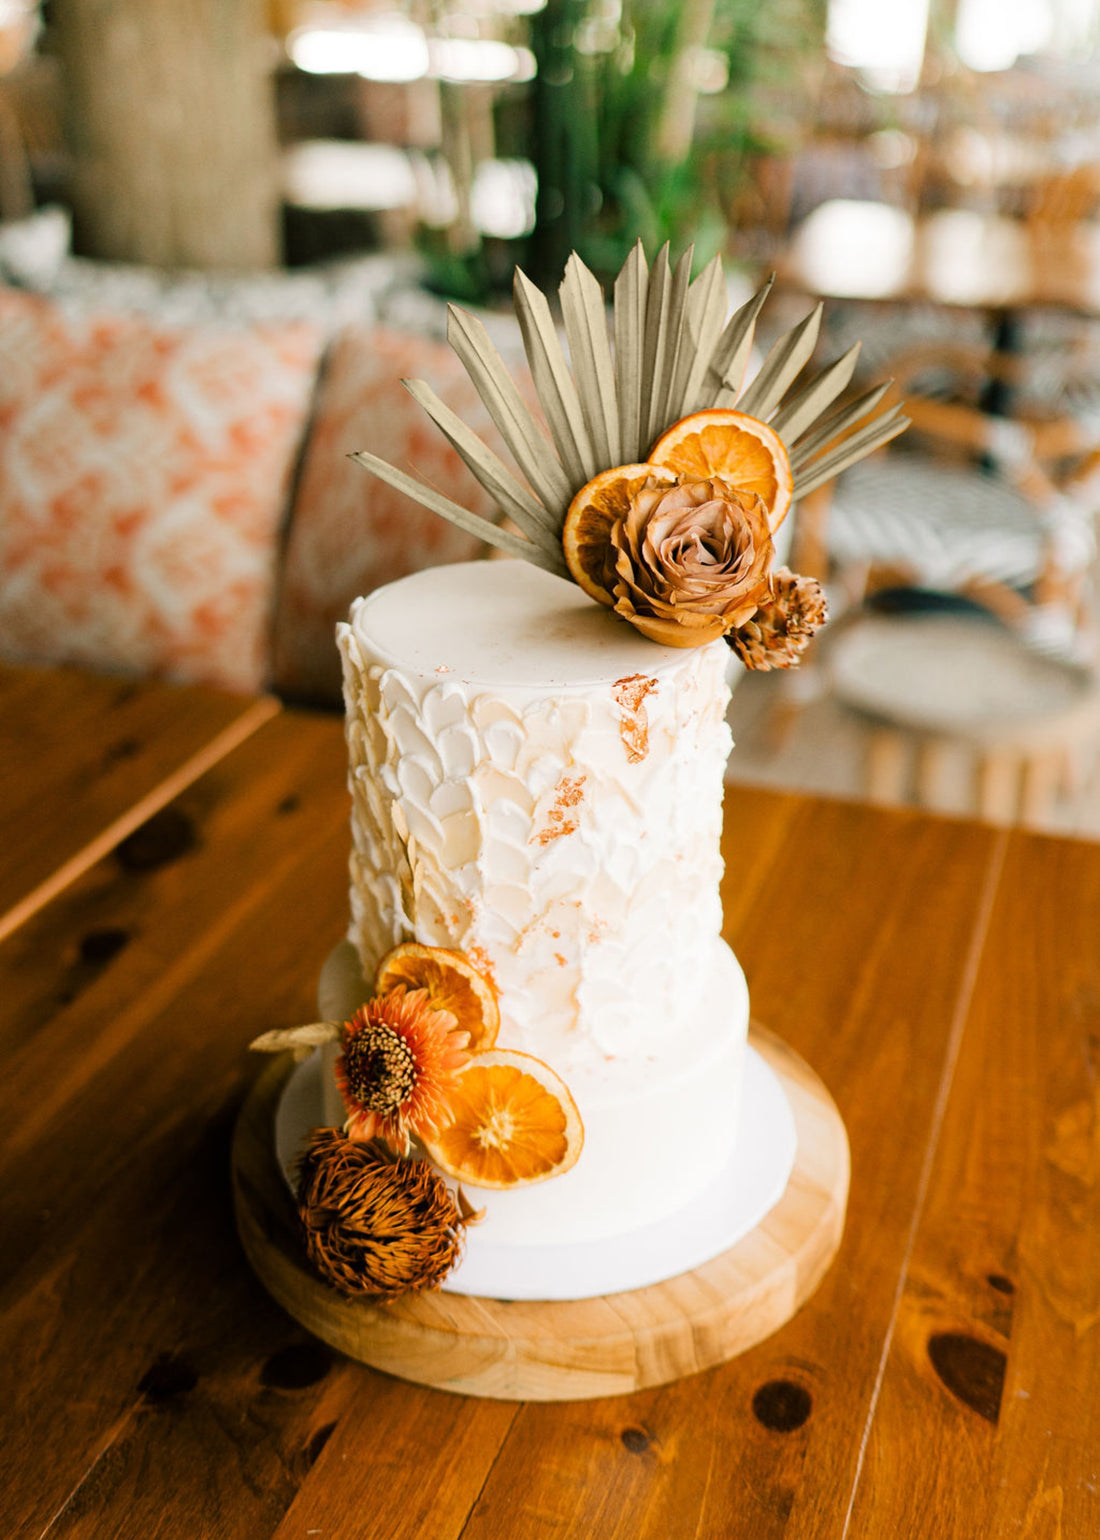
<point x="689" y="563"/>
<point x="789" y="616"/>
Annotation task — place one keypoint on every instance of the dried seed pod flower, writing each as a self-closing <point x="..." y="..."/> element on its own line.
<point x="398" y="1057"/>
<point x="374" y="1224"/>
<point x="784" y="624"/>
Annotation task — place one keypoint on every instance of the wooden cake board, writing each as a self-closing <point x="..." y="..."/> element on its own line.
<point x="563" y="1350"/>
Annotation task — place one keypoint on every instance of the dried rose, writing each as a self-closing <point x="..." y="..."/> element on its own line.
<point x="689" y="563"/>
<point x="788" y="617"/>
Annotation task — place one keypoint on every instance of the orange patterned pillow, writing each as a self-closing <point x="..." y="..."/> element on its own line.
<point x="144" y="476"/>
<point x="350" y="532"/>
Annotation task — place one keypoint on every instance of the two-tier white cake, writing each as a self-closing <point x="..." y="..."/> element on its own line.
<point x="535" y="1013"/>
<point x="538" y="787"/>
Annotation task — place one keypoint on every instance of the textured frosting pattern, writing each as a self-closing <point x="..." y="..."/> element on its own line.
<point x="565" y="834"/>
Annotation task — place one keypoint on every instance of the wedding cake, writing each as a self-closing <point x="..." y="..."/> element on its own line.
<point x="537" y="1023"/>
<point x="538" y="787"/>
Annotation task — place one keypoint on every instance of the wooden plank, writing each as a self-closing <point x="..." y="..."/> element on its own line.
<point x="861" y="981"/>
<point x="153" y="1387"/>
<point x="156" y="1390"/>
<point x="988" y="1421"/>
<point x="80" y="752"/>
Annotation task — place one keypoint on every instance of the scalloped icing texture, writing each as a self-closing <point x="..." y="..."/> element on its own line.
<point x="535" y="784"/>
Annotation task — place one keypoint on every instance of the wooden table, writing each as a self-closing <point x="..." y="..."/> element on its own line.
<point x="942" y="977"/>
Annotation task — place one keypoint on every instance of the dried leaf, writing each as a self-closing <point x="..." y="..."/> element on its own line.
<point x="299" y="1038"/>
<point x="786" y="360"/>
<point x="462" y="518"/>
<point x="803" y="410"/>
<point x="556" y="391"/>
<point x="704" y="319"/>
<point x="585" y="316"/>
<point x="470" y="1215"/>
<point x="510" y="495"/>
<point x="517" y="427"/>
<point x="726" y="368"/>
<point x="631" y="287"/>
<point x="879" y="431"/>
<point x="668" y="342"/>
<point x="824" y="433"/>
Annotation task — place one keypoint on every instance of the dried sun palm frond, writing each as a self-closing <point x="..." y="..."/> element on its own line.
<point x="671" y="354"/>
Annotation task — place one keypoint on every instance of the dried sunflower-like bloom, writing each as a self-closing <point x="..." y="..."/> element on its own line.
<point x="398" y="1057"/>
<point x="784" y="624"/>
<point x="374" y="1224"/>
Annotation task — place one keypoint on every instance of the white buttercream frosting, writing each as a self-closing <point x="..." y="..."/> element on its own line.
<point x="651" y="1142"/>
<point x="539" y="786"/>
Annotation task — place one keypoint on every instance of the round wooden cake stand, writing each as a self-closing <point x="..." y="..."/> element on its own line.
<point x="570" y="1350"/>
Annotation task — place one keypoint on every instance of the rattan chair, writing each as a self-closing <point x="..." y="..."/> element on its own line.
<point x="961" y="570"/>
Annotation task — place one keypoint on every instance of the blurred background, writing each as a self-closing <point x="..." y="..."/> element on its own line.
<point x="930" y="169"/>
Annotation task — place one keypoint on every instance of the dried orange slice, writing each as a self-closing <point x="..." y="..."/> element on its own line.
<point x="593" y="511"/>
<point x="512" y="1122"/>
<point x="453" y="984"/>
<point x="738" y="448"/>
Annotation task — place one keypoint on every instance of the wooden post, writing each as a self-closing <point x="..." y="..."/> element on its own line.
<point x="172" y="131"/>
<point x="887" y="766"/>
<point x="999" y="786"/>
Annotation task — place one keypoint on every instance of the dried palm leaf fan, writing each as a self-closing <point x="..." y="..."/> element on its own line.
<point x="663" y="477"/>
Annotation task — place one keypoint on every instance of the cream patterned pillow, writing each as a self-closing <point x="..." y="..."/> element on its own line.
<point x="350" y="532"/>
<point x="144" y="477"/>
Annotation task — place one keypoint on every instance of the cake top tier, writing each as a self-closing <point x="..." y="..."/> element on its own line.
<point x="503" y="623"/>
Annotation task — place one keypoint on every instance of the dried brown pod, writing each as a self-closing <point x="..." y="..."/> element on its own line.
<point x="373" y="1223"/>
<point x="784" y="625"/>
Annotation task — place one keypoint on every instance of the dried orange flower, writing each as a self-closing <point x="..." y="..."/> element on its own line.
<point x="373" y="1224"/>
<point x="452" y="982"/>
<point x="740" y="450"/>
<point x="397" y="1060"/>
<point x="510" y="1121"/>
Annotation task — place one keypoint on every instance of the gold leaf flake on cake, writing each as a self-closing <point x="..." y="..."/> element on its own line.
<point x="630" y="693"/>
<point x="561" y="816"/>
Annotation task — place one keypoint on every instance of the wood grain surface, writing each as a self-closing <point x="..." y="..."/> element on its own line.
<point x="940" y="977"/>
<point x="85" y="759"/>
<point x="993" y="1375"/>
<point x="565" y="1350"/>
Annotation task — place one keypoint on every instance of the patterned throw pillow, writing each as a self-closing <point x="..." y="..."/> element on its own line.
<point x="350" y="532"/>
<point x="144" y="478"/>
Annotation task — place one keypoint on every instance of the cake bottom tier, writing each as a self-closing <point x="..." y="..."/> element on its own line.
<point x="656" y="1129"/>
<point x="734" y="1202"/>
